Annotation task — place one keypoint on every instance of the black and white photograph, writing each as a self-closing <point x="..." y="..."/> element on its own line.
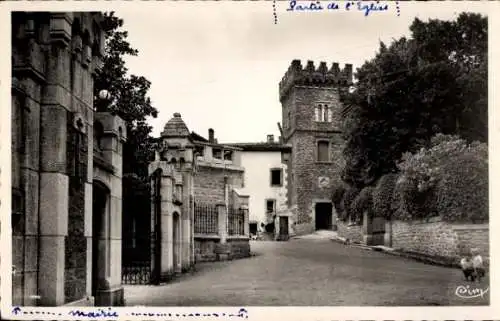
<point x="246" y="154"/>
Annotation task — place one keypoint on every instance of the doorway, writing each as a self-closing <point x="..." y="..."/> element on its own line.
<point x="100" y="196"/>
<point x="323" y="216"/>
<point x="283" y="234"/>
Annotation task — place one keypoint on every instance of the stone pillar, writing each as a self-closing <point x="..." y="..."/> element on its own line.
<point x="167" y="265"/>
<point x="246" y="221"/>
<point x="222" y="249"/>
<point x="186" y="221"/>
<point x="112" y="150"/>
<point x="54" y="181"/>
<point x="367" y="229"/>
<point x="221" y="208"/>
<point x="388" y="233"/>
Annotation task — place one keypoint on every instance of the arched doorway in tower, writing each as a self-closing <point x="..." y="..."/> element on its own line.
<point x="176" y="236"/>
<point x="100" y="237"/>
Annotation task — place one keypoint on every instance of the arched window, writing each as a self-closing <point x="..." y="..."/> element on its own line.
<point x="317" y="113"/>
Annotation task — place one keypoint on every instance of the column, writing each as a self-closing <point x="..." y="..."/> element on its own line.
<point x="246" y="221"/>
<point x="186" y="222"/>
<point x="54" y="182"/>
<point x="222" y="249"/>
<point x="166" y="228"/>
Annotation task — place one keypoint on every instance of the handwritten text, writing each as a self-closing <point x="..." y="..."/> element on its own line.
<point x="110" y="314"/>
<point x="366" y="7"/>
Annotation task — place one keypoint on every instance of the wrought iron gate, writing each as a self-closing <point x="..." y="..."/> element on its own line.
<point x="140" y="244"/>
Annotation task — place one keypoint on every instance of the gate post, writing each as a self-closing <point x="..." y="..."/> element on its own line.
<point x="222" y="249"/>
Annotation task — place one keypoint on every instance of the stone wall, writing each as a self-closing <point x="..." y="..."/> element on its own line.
<point x="240" y="248"/>
<point x="204" y="248"/>
<point x="440" y="239"/>
<point x="209" y="184"/>
<point x="349" y="231"/>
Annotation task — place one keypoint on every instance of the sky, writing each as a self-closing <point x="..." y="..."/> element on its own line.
<point x="219" y="63"/>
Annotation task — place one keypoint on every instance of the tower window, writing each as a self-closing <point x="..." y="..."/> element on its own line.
<point x="276" y="177"/>
<point x="322" y="113"/>
<point x="323" y="151"/>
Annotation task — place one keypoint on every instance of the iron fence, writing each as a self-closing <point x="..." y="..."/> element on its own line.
<point x="206" y="219"/>
<point x="236" y="220"/>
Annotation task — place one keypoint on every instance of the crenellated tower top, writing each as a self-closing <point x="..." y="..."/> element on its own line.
<point x="310" y="75"/>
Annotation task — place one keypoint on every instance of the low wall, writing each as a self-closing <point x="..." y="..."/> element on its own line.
<point x="205" y="247"/>
<point x="240" y="247"/>
<point x="303" y="228"/>
<point x="352" y="232"/>
<point x="436" y="238"/>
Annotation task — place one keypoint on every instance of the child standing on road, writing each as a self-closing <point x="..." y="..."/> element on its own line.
<point x="477" y="264"/>
<point x="467" y="268"/>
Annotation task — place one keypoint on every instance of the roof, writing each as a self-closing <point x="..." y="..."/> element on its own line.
<point x="196" y="137"/>
<point x="175" y="127"/>
<point x="262" y="147"/>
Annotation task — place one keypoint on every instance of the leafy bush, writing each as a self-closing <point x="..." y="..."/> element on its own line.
<point x="441" y="180"/>
<point x="337" y="197"/>
<point x="349" y="196"/>
<point x="362" y="203"/>
<point x="383" y="195"/>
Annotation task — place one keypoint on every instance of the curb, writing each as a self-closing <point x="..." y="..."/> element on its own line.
<point x="394" y="252"/>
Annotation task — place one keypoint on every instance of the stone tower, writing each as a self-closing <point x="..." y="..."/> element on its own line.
<point x="311" y="115"/>
<point x="172" y="195"/>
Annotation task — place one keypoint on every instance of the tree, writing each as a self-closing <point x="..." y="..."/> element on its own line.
<point x="433" y="82"/>
<point x="129" y="97"/>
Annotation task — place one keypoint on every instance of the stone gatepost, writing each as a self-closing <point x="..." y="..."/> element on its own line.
<point x="55" y="113"/>
<point x="187" y="210"/>
<point x="373" y="229"/>
<point x="112" y="140"/>
<point x="246" y="220"/>
<point x="222" y="249"/>
<point x="167" y="241"/>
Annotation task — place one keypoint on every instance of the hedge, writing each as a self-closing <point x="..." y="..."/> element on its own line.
<point x="462" y="192"/>
<point x="383" y="195"/>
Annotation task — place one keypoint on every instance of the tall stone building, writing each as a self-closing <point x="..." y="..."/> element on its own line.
<point x="311" y="117"/>
<point x="66" y="165"/>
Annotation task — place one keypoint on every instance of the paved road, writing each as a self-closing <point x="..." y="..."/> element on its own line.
<point x="310" y="272"/>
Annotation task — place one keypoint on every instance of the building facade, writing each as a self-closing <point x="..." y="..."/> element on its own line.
<point x="311" y="118"/>
<point x="266" y="180"/>
<point x="198" y="211"/>
<point x="66" y="165"/>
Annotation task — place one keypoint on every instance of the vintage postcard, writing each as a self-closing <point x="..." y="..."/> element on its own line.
<point x="228" y="160"/>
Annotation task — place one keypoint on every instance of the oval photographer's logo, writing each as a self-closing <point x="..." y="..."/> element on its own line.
<point x="466" y="292"/>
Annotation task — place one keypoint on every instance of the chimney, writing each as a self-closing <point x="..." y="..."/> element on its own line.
<point x="270" y="138"/>
<point x="211" y="135"/>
